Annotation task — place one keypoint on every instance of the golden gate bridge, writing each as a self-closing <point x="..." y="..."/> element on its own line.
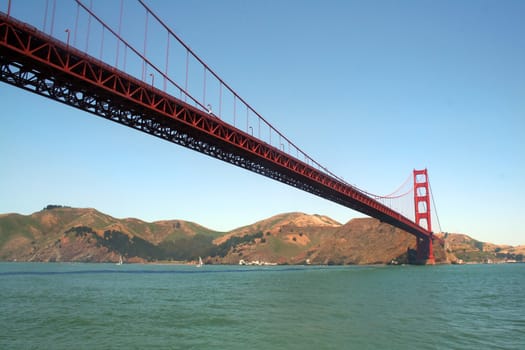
<point x="160" y="86"/>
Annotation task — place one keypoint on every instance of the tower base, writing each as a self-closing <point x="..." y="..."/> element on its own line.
<point x="425" y="251"/>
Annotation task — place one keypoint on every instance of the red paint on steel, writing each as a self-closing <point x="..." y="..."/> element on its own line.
<point x="425" y="249"/>
<point x="422" y="199"/>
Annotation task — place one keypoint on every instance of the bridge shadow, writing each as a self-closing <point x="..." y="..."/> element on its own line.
<point x="411" y="256"/>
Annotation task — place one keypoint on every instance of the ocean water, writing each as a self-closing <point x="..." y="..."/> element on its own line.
<point x="103" y="306"/>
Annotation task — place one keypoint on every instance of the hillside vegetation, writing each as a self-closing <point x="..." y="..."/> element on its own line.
<point x="467" y="249"/>
<point x="60" y="233"/>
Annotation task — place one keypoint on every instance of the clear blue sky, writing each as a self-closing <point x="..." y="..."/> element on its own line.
<point x="370" y="89"/>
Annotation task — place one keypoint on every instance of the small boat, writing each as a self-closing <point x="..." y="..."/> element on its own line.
<point x="119" y="261"/>
<point x="200" y="264"/>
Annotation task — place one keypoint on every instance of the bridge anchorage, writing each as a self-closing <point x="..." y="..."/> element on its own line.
<point x="42" y="64"/>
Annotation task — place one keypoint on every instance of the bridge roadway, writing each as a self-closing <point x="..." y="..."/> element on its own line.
<point x="37" y="62"/>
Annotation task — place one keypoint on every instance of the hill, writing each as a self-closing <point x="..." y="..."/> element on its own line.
<point x="284" y="238"/>
<point x="73" y="234"/>
<point x="298" y="238"/>
<point x="464" y="249"/>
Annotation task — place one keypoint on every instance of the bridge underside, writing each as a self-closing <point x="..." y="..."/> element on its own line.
<point x="35" y="62"/>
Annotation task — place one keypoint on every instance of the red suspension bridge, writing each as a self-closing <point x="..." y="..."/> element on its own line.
<point x="179" y="98"/>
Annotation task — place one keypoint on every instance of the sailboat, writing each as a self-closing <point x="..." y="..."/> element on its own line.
<point x="119" y="261"/>
<point x="200" y="264"/>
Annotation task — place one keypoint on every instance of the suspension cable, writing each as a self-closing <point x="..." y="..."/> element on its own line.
<point x="434" y="204"/>
<point x="391" y="195"/>
<point x="137" y="52"/>
<point x="236" y="97"/>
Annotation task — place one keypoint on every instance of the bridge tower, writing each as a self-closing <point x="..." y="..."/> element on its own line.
<point x="425" y="251"/>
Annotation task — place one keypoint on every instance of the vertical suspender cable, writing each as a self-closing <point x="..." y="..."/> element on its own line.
<point x="434" y="204"/>
<point x="186" y="82"/>
<point x="89" y="26"/>
<point x="53" y="17"/>
<point x="125" y="56"/>
<point x="204" y="89"/>
<point x="76" y="26"/>
<point x="234" y="108"/>
<point x="220" y="100"/>
<point x="119" y="32"/>
<point x="45" y="16"/>
<point x="102" y="44"/>
<point x="164" y="84"/>
<point x="145" y="43"/>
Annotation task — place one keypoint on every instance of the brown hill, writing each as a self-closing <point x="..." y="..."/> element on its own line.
<point x="365" y="241"/>
<point x="284" y="238"/>
<point x="277" y="223"/>
<point x="299" y="238"/>
<point x="463" y="249"/>
<point x="72" y="234"/>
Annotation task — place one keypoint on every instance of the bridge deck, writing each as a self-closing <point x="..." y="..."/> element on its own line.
<point x="34" y="61"/>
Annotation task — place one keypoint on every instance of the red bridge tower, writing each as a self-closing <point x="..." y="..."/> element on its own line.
<point x="425" y="251"/>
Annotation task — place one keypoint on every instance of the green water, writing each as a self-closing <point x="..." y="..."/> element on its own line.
<point x="102" y="306"/>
